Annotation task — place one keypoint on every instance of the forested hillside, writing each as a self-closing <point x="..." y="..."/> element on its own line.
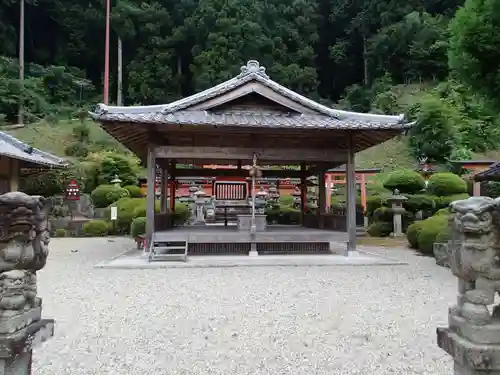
<point x="368" y="55"/>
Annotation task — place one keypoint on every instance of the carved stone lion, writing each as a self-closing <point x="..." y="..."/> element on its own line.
<point x="475" y="261"/>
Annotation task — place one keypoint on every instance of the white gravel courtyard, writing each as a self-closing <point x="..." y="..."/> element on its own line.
<point x="366" y="320"/>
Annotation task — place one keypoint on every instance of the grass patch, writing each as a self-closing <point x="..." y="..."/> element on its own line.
<point x="387" y="242"/>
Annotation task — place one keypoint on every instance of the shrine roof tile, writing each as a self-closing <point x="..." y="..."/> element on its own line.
<point x="16" y="149"/>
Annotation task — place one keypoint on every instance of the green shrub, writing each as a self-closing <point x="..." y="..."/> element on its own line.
<point x="412" y="234"/>
<point x="446" y="184"/>
<point x="419" y="202"/>
<point x="138" y="226"/>
<point x="103" y="195"/>
<point x="444" y="235"/>
<point x="286" y="200"/>
<point x="443" y="211"/>
<point x="380" y="229"/>
<point x="125" y="214"/>
<point x="60" y="232"/>
<point x="406" y="181"/>
<point x="134" y="191"/>
<point x="372" y="203"/>
<point x="289" y="215"/>
<point x="95" y="228"/>
<point x="444" y="202"/>
<point x="431" y="227"/>
<point x="383" y="214"/>
<point x="140" y="208"/>
<point x="490" y="189"/>
<point x="181" y="214"/>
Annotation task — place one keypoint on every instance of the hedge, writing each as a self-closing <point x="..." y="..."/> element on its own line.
<point x="134" y="191"/>
<point x="431" y="227"/>
<point x="446" y="183"/>
<point x="380" y="229"/>
<point x="444" y="202"/>
<point x="138" y="226"/>
<point x="103" y="195"/>
<point x="412" y="234"/>
<point x="284" y="215"/>
<point x="95" y="228"/>
<point x="406" y="181"/>
<point x="419" y="202"/>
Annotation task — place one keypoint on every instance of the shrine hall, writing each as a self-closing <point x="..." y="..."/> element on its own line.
<point x="260" y="128"/>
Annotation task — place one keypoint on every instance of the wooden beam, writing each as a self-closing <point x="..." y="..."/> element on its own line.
<point x="205" y="172"/>
<point x="246" y="154"/>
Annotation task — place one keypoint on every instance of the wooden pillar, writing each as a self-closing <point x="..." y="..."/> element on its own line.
<point x="328" y="192"/>
<point x="150" y="199"/>
<point x="172" y="186"/>
<point x="351" y="196"/>
<point x="321" y="192"/>
<point x="14" y="174"/>
<point x="476" y="189"/>
<point x="303" y="192"/>
<point x="164" y="190"/>
<point x="363" y="191"/>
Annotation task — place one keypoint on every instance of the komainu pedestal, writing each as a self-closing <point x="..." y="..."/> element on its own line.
<point x="24" y="238"/>
<point x="473" y="335"/>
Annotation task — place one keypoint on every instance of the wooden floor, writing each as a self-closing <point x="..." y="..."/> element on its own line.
<point x="273" y="233"/>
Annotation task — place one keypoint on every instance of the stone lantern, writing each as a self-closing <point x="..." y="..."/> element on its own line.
<point x="116" y="181"/>
<point x="396" y="202"/>
<point x="260" y="200"/>
<point x="200" y="198"/>
<point x="297" y="197"/>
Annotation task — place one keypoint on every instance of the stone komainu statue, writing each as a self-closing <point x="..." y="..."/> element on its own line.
<point x="473" y="335"/>
<point x="24" y="239"/>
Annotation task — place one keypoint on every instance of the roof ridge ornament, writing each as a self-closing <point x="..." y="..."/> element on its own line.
<point x="253" y="67"/>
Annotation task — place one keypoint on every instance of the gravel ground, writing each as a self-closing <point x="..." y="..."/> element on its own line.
<point x="237" y="321"/>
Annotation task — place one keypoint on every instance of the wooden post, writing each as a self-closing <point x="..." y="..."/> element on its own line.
<point x="328" y="191"/>
<point x="303" y="192"/>
<point x="150" y="199"/>
<point x="164" y="190"/>
<point x="351" y="197"/>
<point x="172" y="186"/>
<point x="476" y="189"/>
<point x="363" y="191"/>
<point x="321" y="192"/>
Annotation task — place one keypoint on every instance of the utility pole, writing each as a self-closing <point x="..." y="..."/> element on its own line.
<point x="119" y="100"/>
<point x="21" y="64"/>
<point x="106" y="52"/>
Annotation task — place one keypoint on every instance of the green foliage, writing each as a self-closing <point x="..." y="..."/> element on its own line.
<point x="104" y="195"/>
<point x="134" y="191"/>
<point x="138" y="226"/>
<point x="405" y="180"/>
<point x="474" y="55"/>
<point x="283" y="214"/>
<point x="431" y="227"/>
<point x="60" y="232"/>
<point x="433" y="133"/>
<point x="490" y="189"/>
<point x="415" y="203"/>
<point x="444" y="202"/>
<point x="445" y="184"/>
<point x="380" y="229"/>
<point x="412" y="233"/>
<point x="95" y="228"/>
<point x="286" y="200"/>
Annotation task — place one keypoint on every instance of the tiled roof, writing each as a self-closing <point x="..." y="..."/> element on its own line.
<point x="492" y="173"/>
<point x="14" y="148"/>
<point x="251" y="119"/>
<point x="252" y="72"/>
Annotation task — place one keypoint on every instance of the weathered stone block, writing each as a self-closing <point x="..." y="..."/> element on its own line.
<point x="442" y="254"/>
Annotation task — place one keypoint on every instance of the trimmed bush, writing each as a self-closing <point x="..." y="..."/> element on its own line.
<point x="405" y="180"/>
<point x="286" y="200"/>
<point x="126" y="208"/>
<point x="446" y="184"/>
<point x="380" y="229"/>
<point x="431" y="227"/>
<point x="372" y="203"/>
<point x="138" y="226"/>
<point x="412" y="234"/>
<point x="134" y="191"/>
<point x="103" y="195"/>
<point x="444" y="202"/>
<point x="95" y="228"/>
<point x="60" y="232"/>
<point x="444" y="235"/>
<point x="289" y="215"/>
<point x="490" y="189"/>
<point x="419" y="202"/>
<point x="443" y="211"/>
<point x="383" y="214"/>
